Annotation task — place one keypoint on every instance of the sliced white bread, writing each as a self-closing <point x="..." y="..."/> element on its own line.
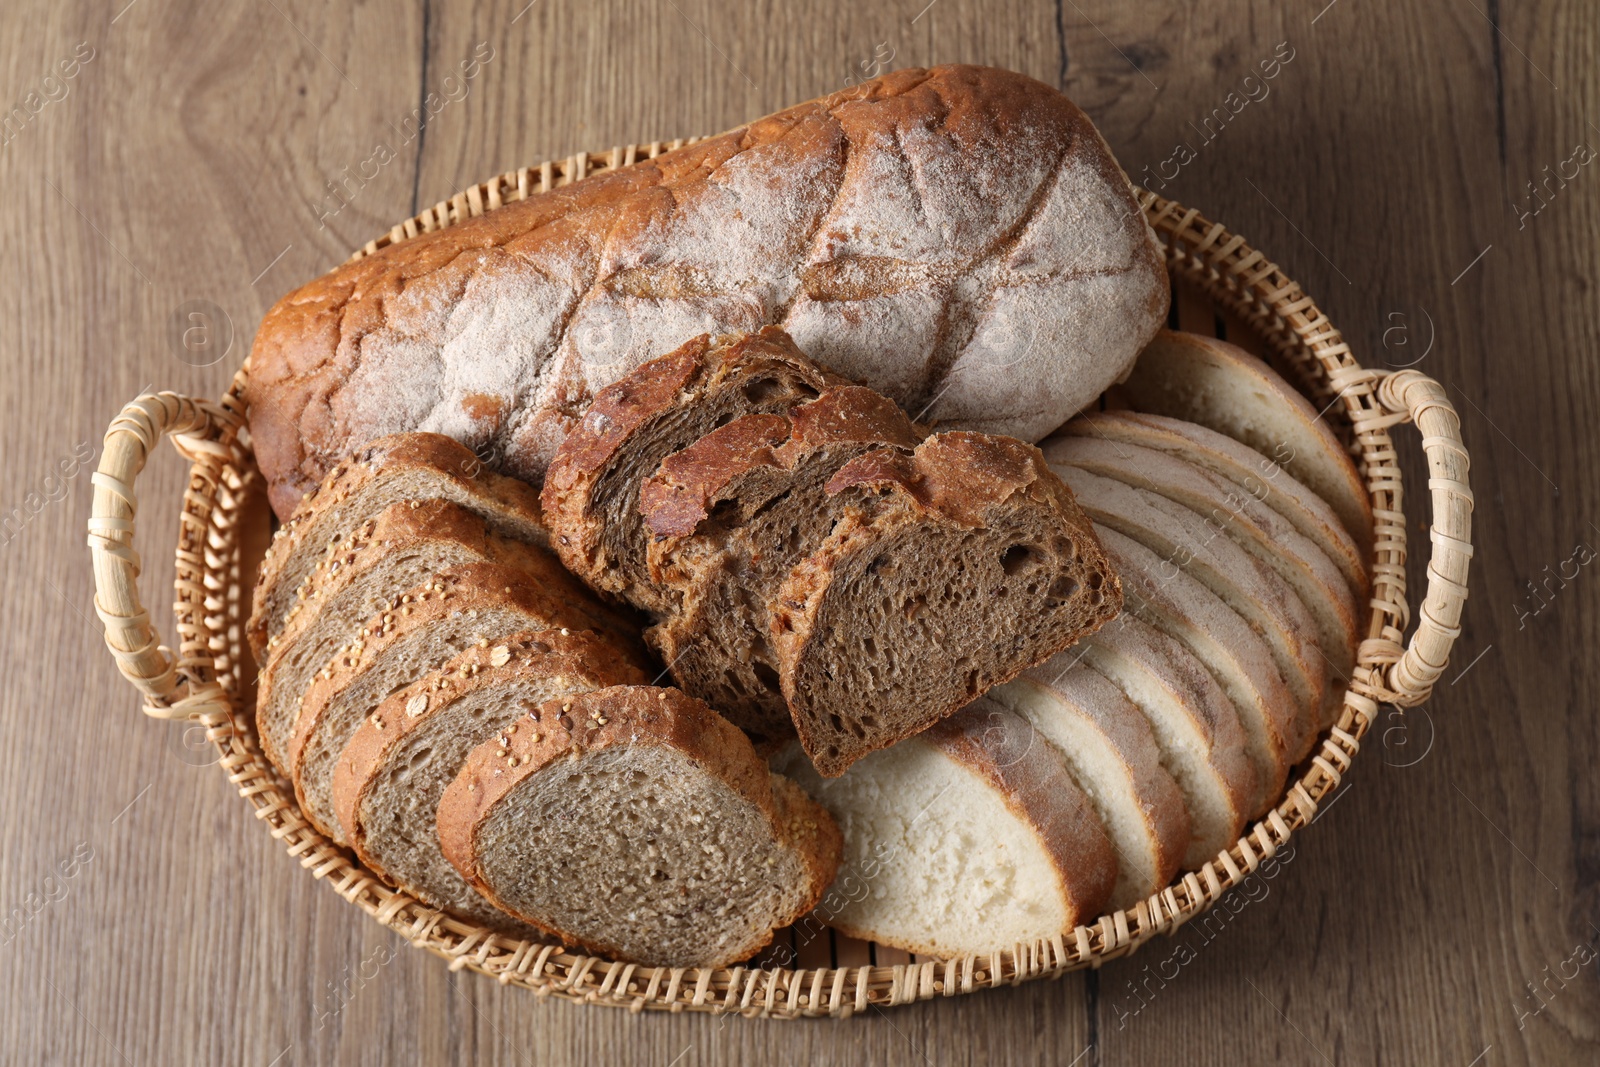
<point x="1279" y="729"/>
<point x="1243" y="466"/>
<point x="403" y="546"/>
<point x="967" y="838"/>
<point x="1213" y="383"/>
<point x="1110" y="751"/>
<point x="1195" y="725"/>
<point x="417" y="632"/>
<point x="639" y="823"/>
<point x="1186" y="543"/>
<point x="388" y="781"/>
<point x="1253" y="526"/>
<point x="404" y="466"/>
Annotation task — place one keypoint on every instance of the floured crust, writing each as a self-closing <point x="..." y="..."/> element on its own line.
<point x="592" y="505"/>
<point x="510" y="506"/>
<point x="588" y="659"/>
<point x="960" y="238"/>
<point x="466" y="589"/>
<point x="626" y="715"/>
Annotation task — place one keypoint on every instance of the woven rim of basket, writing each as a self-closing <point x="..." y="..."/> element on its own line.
<point x="211" y="609"/>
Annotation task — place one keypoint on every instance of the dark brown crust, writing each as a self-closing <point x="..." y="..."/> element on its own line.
<point x="544" y="654"/>
<point x="467" y="588"/>
<point x="676" y="381"/>
<point x="515" y="502"/>
<point x="315" y="340"/>
<point x="958" y="479"/>
<point x="630" y="715"/>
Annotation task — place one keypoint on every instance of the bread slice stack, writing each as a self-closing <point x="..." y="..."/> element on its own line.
<point x="819" y="565"/>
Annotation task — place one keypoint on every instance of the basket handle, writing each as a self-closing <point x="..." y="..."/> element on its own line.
<point x="1406" y="675"/>
<point x="197" y="426"/>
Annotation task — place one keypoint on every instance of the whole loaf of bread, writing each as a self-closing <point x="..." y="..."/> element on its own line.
<point x="958" y="238"/>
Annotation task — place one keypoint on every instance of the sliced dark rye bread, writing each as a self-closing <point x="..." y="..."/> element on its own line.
<point x="591" y="490"/>
<point x="971" y="837"/>
<point x="473" y="604"/>
<point x="1185" y="542"/>
<point x="1195" y="725"/>
<point x="388" y="780"/>
<point x="403" y="546"/>
<point x="405" y="466"/>
<point x="1281" y="730"/>
<point x="1254" y="527"/>
<point x="640" y="824"/>
<point x="1243" y="466"/>
<point x="1223" y="387"/>
<point x="957" y="567"/>
<point x="729" y="517"/>
<point x="1109" y="749"/>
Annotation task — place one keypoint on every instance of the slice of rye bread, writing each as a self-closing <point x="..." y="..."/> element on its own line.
<point x="1243" y="466"/>
<point x="1225" y="388"/>
<point x="1186" y="543"/>
<point x="1111" y="753"/>
<point x="640" y="824"/>
<point x="591" y="490"/>
<point x="969" y="838"/>
<point x="958" y="567"/>
<point x="473" y="604"/>
<point x="389" y="778"/>
<point x="729" y="517"/>
<point x="1196" y="727"/>
<point x="403" y="546"/>
<point x="404" y="466"/>
<point x="1253" y="526"/>
<point x="1182" y="608"/>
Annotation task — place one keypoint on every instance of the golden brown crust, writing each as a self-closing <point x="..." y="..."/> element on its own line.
<point x="629" y="715"/>
<point x="469" y="588"/>
<point x="545" y="654"/>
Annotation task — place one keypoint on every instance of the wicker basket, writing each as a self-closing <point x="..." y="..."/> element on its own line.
<point x="225" y="527"/>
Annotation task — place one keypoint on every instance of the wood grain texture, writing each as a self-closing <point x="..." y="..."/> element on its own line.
<point x="1446" y="909"/>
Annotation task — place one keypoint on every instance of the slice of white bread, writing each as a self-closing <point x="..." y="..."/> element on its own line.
<point x="639" y="823"/>
<point x="1111" y="753"/>
<point x="1195" y="725"/>
<point x="952" y="569"/>
<point x="404" y="466"/>
<point x="1253" y="526"/>
<point x="967" y="838"/>
<point x="388" y="780"/>
<point x="1185" y="542"/>
<point x="420" y="630"/>
<point x="1244" y="467"/>
<point x="1221" y="386"/>
<point x="403" y="546"/>
<point x="1281" y="730"/>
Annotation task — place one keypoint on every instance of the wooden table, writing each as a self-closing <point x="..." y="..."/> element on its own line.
<point x="1445" y="911"/>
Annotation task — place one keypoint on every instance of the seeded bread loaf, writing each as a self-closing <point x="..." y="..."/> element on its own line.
<point x="638" y="823"/>
<point x="1243" y="466"/>
<point x="1223" y="387"/>
<point x="1268" y="537"/>
<point x="408" y="466"/>
<point x="1107" y="746"/>
<point x="404" y="545"/>
<point x="957" y="567"/>
<point x="967" y="838"/>
<point x="728" y="518"/>
<point x="959" y="238"/>
<point x="591" y="496"/>
<point x="388" y="780"/>
<point x="420" y="630"/>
